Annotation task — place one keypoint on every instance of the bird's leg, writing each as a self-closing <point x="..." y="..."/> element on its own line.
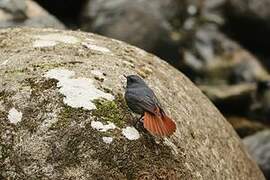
<point x="141" y="118"/>
<point x="139" y="123"/>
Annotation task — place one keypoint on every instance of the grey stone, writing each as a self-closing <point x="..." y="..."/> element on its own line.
<point x="142" y="23"/>
<point x="28" y="13"/>
<point x="259" y="147"/>
<point x="49" y="127"/>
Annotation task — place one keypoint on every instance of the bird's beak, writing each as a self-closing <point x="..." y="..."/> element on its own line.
<point x="125" y="75"/>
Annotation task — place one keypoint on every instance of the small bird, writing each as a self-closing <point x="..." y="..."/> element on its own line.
<point x="142" y="100"/>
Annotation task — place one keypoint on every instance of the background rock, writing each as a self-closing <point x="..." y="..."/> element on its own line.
<point x="46" y="132"/>
<point x="246" y="127"/>
<point x="259" y="147"/>
<point x="249" y="23"/>
<point x="252" y="9"/>
<point x="142" y="23"/>
<point x="26" y="13"/>
<point x="218" y="59"/>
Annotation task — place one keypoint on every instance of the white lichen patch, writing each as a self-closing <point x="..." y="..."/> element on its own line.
<point x="130" y="133"/>
<point x="60" y="74"/>
<point x="107" y="140"/>
<point x="78" y="92"/>
<point x="53" y="39"/>
<point x="102" y="127"/>
<point x="97" y="73"/>
<point x="96" y="47"/>
<point x="44" y="43"/>
<point x="58" y="37"/>
<point x="4" y="63"/>
<point x="14" y="116"/>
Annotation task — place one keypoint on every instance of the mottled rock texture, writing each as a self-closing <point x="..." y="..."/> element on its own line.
<point x="45" y="133"/>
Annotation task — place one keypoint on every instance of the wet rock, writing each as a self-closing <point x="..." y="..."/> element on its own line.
<point x="59" y="122"/>
<point x="142" y="23"/>
<point x="259" y="147"/>
<point x="26" y="13"/>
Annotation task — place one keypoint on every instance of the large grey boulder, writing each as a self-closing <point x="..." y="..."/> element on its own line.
<point x="63" y="115"/>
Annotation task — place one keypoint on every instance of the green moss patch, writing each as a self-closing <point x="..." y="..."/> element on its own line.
<point x="69" y="114"/>
<point x="113" y="111"/>
<point x="47" y="66"/>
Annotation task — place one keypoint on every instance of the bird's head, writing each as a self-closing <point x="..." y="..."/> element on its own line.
<point x="134" y="80"/>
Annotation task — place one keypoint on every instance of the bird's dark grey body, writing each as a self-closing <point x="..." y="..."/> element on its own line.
<point x="139" y="96"/>
<point x="142" y="100"/>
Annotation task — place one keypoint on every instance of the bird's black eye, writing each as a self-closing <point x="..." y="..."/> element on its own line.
<point x="130" y="79"/>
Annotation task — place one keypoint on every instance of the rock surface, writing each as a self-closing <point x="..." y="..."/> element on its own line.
<point x="26" y="13"/>
<point x="63" y="116"/>
<point x="259" y="147"/>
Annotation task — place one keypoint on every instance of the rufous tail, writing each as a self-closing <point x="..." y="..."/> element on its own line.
<point x="158" y="124"/>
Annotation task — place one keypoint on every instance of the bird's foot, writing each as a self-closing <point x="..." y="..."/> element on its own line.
<point x="141" y="119"/>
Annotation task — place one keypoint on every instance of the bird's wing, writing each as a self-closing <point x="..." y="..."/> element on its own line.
<point x="144" y="101"/>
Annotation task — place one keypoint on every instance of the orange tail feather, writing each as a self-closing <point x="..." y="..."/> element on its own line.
<point x="159" y="125"/>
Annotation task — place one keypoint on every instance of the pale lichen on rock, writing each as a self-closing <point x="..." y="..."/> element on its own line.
<point x="107" y="140"/>
<point x="78" y="92"/>
<point x="14" y="116"/>
<point x="96" y="47"/>
<point x="101" y="127"/>
<point x="47" y="40"/>
<point x="130" y="133"/>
